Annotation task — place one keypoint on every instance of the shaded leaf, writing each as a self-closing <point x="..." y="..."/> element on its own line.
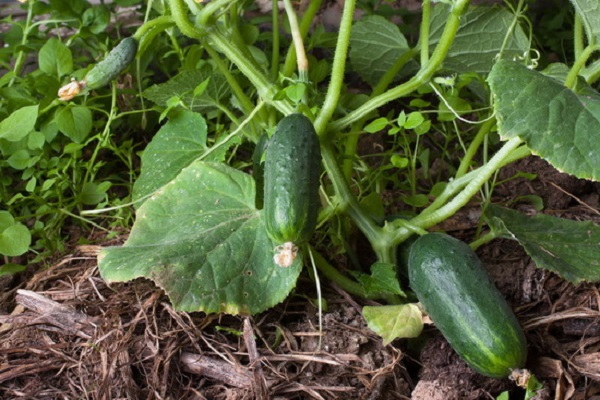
<point x="201" y="239"/>
<point x="560" y="125"/>
<point x="375" y="45"/>
<point x="183" y="85"/>
<point x="569" y="248"/>
<point x="479" y="39"/>
<point x="394" y="322"/>
<point x="589" y="11"/>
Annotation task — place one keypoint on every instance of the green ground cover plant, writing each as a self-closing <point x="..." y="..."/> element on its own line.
<point x="450" y="103"/>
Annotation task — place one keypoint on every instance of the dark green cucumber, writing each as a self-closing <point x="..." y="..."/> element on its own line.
<point x="455" y="290"/>
<point x="291" y="186"/>
<point x="112" y="65"/>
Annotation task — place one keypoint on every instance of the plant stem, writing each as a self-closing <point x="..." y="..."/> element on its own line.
<point x="307" y="20"/>
<point x="233" y="83"/>
<point x="180" y="16"/>
<point x="428" y="219"/>
<point x="160" y="23"/>
<point x="337" y="69"/>
<point x="424" y="34"/>
<point x="21" y="56"/>
<point x="301" y="59"/>
<point x="579" y="64"/>
<point x="391" y="73"/>
<point x="473" y="147"/>
<point x="578" y="35"/>
<point x="347" y="201"/>
<point x="423" y="76"/>
<point x="266" y="90"/>
<point x="488" y="237"/>
<point x="206" y="14"/>
<point x="275" y="35"/>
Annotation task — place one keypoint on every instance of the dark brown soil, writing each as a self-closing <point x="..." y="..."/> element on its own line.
<point x="66" y="335"/>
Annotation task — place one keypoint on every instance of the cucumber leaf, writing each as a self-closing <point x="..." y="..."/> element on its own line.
<point x="561" y="126"/>
<point x="479" y="39"/>
<point x="175" y="146"/>
<point x="589" y="12"/>
<point x="395" y="321"/>
<point x="381" y="282"/>
<point x="375" y="45"/>
<point x="569" y="248"/>
<point x="183" y="87"/>
<point x="201" y="239"/>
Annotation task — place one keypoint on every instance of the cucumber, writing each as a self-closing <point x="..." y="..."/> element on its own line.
<point x="291" y="184"/>
<point x="455" y="290"/>
<point x="112" y="65"/>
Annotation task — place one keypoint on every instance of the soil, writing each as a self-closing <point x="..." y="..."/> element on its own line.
<point x="65" y="334"/>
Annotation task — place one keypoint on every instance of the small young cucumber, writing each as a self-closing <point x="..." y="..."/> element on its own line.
<point x="112" y="65"/>
<point x="291" y="184"/>
<point x="455" y="290"/>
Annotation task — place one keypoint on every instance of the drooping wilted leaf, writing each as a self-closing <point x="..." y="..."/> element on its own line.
<point x="394" y="322"/>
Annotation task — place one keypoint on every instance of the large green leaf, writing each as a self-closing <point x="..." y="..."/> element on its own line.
<point x="201" y="239"/>
<point x="560" y="125"/>
<point x="479" y="39"/>
<point x="569" y="248"/>
<point x="589" y="12"/>
<point x="179" y="142"/>
<point x="183" y="85"/>
<point x="375" y="45"/>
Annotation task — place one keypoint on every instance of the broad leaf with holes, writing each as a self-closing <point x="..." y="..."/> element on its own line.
<point x="569" y="248"/>
<point x="560" y="125"/>
<point x="201" y="239"/>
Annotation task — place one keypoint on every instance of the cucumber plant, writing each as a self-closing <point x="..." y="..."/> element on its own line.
<point x="230" y="241"/>
<point x="202" y="231"/>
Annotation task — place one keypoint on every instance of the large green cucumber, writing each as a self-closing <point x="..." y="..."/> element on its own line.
<point x="112" y="65"/>
<point x="291" y="185"/>
<point x="455" y="290"/>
